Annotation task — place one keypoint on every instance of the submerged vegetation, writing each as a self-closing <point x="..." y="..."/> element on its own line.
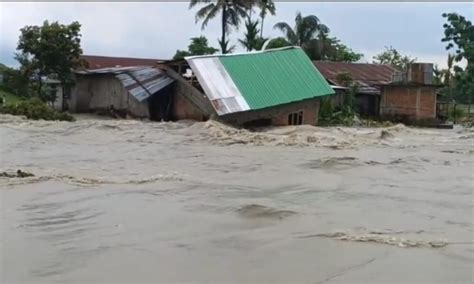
<point x="36" y="109"/>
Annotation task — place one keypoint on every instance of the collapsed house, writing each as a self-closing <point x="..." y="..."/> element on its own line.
<point x="273" y="87"/>
<point x="385" y="91"/>
<point x="137" y="91"/>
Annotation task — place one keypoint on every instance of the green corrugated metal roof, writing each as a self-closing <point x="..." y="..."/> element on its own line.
<point x="275" y="77"/>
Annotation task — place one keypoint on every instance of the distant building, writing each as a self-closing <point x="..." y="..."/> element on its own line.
<point x="99" y="62"/>
<point x="385" y="91"/>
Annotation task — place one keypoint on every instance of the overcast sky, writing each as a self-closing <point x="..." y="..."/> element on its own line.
<point x="157" y="30"/>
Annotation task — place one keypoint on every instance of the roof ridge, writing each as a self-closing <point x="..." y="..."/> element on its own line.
<point x="243" y="53"/>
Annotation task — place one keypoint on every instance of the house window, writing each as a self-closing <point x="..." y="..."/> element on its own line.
<point x="295" y="118"/>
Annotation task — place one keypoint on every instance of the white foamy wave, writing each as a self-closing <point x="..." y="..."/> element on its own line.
<point x="381" y="238"/>
<point x="303" y="135"/>
<point x="86" y="181"/>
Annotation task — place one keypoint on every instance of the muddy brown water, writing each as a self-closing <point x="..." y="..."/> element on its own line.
<point x="116" y="201"/>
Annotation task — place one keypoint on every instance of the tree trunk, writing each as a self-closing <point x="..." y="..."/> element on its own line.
<point x="224" y="23"/>
<point x="63" y="99"/>
<point x="261" y="27"/>
<point x="40" y="85"/>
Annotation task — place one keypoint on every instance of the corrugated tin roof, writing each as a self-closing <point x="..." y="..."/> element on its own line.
<point x="96" y="62"/>
<point x="218" y="85"/>
<point x="256" y="80"/>
<point x="143" y="83"/>
<point x="367" y="76"/>
<point x="140" y="81"/>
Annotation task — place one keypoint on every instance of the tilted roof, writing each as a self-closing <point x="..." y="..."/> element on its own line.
<point x="256" y="80"/>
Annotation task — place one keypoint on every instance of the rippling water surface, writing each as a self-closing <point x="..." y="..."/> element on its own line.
<point x="116" y="201"/>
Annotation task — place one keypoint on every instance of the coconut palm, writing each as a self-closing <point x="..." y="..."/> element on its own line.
<point x="252" y="40"/>
<point x="266" y="6"/>
<point x="305" y="30"/>
<point x="232" y="11"/>
<point x="448" y="72"/>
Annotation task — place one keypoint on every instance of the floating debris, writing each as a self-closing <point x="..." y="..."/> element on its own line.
<point x="18" y="174"/>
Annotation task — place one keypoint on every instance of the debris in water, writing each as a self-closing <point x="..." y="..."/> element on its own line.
<point x="260" y="211"/>
<point x="384" y="134"/>
<point x="19" y="174"/>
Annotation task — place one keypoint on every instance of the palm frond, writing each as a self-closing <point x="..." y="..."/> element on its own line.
<point x="233" y="18"/>
<point x="210" y="14"/>
<point x="266" y="6"/>
<point x="288" y="31"/>
<point x="193" y="3"/>
<point x="311" y="20"/>
<point x="204" y="11"/>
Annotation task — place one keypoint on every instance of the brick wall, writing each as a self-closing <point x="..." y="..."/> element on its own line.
<point x="279" y="114"/>
<point x="413" y="102"/>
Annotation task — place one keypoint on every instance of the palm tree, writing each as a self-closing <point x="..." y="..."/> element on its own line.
<point x="447" y="72"/>
<point x="232" y="11"/>
<point x="266" y="6"/>
<point x="252" y="40"/>
<point x="305" y="30"/>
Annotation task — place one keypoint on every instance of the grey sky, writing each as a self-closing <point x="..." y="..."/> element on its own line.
<point x="156" y="30"/>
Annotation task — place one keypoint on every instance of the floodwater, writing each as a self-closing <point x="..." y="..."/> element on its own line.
<point x="121" y="201"/>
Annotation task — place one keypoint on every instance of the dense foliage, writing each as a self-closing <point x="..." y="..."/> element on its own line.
<point x="252" y="37"/>
<point x="14" y="81"/>
<point x="313" y="36"/>
<point x="198" y="46"/>
<point x="36" y="109"/>
<point x="51" y="50"/>
<point x="459" y="36"/>
<point x="393" y="57"/>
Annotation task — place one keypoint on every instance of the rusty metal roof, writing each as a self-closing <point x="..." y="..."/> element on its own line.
<point x="97" y="62"/>
<point x="140" y="81"/>
<point x="369" y="77"/>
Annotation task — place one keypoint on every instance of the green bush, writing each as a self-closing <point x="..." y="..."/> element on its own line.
<point x="35" y="108"/>
<point x="456" y="113"/>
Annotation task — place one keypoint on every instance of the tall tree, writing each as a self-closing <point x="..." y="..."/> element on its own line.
<point x="198" y="46"/>
<point x="459" y="35"/>
<point x="393" y="57"/>
<point x="331" y="49"/>
<point x="305" y="29"/>
<point x="53" y="50"/>
<point x="277" y="42"/>
<point x="448" y="71"/>
<point x="266" y="7"/>
<point x="232" y="11"/>
<point x="313" y="36"/>
<point x="252" y="40"/>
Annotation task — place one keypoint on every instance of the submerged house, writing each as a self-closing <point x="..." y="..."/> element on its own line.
<point x="272" y="87"/>
<point x="119" y="85"/>
<point x="385" y="91"/>
<point x="132" y="91"/>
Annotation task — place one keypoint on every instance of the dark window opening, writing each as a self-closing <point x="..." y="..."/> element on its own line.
<point x="258" y="123"/>
<point x="295" y="118"/>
